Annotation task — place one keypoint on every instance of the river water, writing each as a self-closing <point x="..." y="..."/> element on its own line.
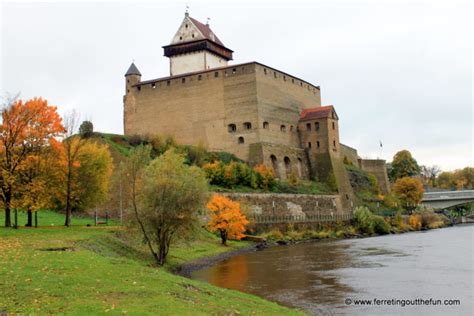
<point x="328" y="277"/>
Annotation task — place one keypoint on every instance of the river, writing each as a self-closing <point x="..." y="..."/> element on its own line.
<point x="329" y="277"/>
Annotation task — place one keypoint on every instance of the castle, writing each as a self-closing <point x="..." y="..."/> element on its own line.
<point x="259" y="113"/>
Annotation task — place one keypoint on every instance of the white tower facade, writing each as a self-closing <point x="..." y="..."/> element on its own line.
<point x="195" y="47"/>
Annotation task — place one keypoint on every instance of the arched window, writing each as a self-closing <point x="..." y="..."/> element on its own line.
<point x="247" y="125"/>
<point x="265" y="125"/>
<point x="231" y="128"/>
<point x="317" y="144"/>
<point x="308" y="126"/>
<point x="287" y="165"/>
<point x="309" y="144"/>
<point x="333" y="125"/>
<point x="316" y="126"/>
<point x="283" y="128"/>
<point x="334" y="143"/>
<point x="275" y="165"/>
<point x="241" y="140"/>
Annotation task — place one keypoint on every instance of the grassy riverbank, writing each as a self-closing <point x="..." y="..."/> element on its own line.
<point x="100" y="273"/>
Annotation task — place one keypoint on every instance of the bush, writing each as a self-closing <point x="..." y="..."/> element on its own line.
<point x="363" y="220"/>
<point x="275" y="234"/>
<point x="135" y="140"/>
<point x="86" y="129"/>
<point x="214" y="172"/>
<point x="265" y="177"/>
<point x="415" y="221"/>
<point x="380" y="225"/>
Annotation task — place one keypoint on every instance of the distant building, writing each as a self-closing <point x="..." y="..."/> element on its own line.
<point x="258" y="113"/>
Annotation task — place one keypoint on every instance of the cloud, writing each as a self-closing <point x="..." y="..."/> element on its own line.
<point x="397" y="72"/>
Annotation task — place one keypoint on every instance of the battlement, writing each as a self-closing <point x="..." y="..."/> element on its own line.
<point x="226" y="72"/>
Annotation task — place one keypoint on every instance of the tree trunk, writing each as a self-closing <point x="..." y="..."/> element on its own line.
<point x="29" y="222"/>
<point x="8" y="218"/>
<point x="68" y="214"/>
<point x="224" y="237"/>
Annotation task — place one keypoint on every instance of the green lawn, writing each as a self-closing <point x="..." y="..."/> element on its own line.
<point x="50" y="218"/>
<point x="106" y="274"/>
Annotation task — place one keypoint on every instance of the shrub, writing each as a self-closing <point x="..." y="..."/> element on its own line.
<point x="380" y="225"/>
<point x="214" y="172"/>
<point x="264" y="176"/>
<point x="374" y="183"/>
<point x="231" y="174"/>
<point x="274" y="234"/>
<point x="363" y="220"/>
<point x="86" y="129"/>
<point x="415" y="221"/>
<point x="135" y="140"/>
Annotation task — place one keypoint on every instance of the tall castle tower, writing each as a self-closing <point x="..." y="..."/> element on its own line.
<point x="195" y="47"/>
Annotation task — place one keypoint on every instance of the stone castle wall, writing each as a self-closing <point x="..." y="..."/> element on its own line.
<point x="272" y="204"/>
<point x="200" y="107"/>
<point x="378" y="169"/>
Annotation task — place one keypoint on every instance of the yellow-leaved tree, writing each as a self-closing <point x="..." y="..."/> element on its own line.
<point x="226" y="218"/>
<point x="83" y="173"/>
<point x="409" y="191"/>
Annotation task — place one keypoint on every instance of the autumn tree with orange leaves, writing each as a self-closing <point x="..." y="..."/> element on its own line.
<point x="26" y="130"/>
<point x="226" y="218"/>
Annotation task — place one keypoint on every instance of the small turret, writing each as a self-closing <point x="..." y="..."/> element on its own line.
<point x="132" y="77"/>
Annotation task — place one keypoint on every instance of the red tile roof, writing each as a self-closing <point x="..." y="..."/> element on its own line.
<point x="206" y="31"/>
<point x="317" y="113"/>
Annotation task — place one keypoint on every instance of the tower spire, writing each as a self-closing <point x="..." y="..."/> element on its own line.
<point x="186" y="13"/>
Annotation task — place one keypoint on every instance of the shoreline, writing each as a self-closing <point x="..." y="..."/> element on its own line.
<point x="187" y="268"/>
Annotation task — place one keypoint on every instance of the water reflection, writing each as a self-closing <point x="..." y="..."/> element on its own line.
<point x="319" y="276"/>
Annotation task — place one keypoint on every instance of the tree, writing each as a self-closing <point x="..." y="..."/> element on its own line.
<point x="86" y="129"/>
<point x="82" y="178"/>
<point x="27" y="128"/>
<point x="226" y="218"/>
<point x="445" y="180"/>
<point x="403" y="165"/>
<point x="409" y="191"/>
<point x="171" y="194"/>
<point x="35" y="191"/>
<point x="429" y="174"/>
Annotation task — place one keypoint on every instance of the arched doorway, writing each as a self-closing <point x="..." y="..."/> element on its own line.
<point x="274" y="160"/>
<point x="287" y="166"/>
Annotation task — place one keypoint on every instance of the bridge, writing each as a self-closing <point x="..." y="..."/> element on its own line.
<point x="444" y="199"/>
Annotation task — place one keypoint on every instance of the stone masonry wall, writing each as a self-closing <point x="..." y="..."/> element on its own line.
<point x="271" y="204"/>
<point x="379" y="170"/>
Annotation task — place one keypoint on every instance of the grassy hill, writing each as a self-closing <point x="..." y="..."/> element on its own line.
<point x="95" y="270"/>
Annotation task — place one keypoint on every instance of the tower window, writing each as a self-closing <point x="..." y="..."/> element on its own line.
<point x="301" y="84"/>
<point x="309" y="144"/>
<point x="168" y="83"/>
<point x="248" y="125"/>
<point x="183" y="80"/>
<point x="231" y="128"/>
<point x="274" y="74"/>
<point x="308" y="126"/>
<point x="265" y="125"/>
<point x="317" y="144"/>
<point x="283" y="128"/>
<point x="234" y="71"/>
<point x="216" y="74"/>
<point x="333" y="125"/>
<point x="265" y="70"/>
<point x="241" y="140"/>
<point x="153" y="85"/>
<point x="334" y="143"/>
<point x="180" y="38"/>
<point x="316" y="126"/>
<point x="192" y="35"/>
<point x="292" y="80"/>
<point x="284" y="78"/>
<point x="199" y="77"/>
<point x="291" y="128"/>
<point x="186" y="26"/>
<point x="139" y="88"/>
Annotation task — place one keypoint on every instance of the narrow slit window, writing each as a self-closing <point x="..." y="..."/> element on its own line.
<point x="231" y="128"/>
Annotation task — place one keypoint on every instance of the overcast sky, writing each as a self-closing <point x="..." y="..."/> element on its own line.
<point x="398" y="72"/>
